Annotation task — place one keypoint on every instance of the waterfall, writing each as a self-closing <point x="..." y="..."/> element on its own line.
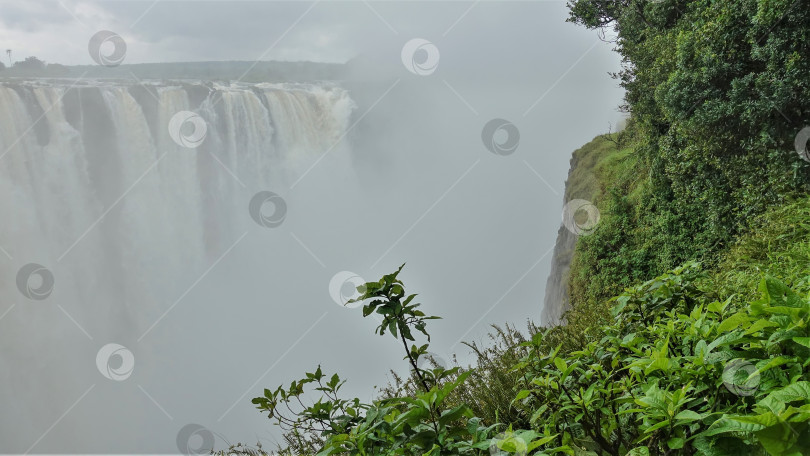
<point x="68" y="153"/>
<point x="95" y="187"/>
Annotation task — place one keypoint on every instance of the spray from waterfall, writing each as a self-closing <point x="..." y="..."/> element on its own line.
<point x="102" y="193"/>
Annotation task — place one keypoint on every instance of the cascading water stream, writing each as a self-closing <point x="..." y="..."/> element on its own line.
<point x="94" y="187"/>
<point x="68" y="153"/>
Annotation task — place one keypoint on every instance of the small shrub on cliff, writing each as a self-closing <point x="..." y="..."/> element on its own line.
<point x="680" y="372"/>
<point x="423" y="423"/>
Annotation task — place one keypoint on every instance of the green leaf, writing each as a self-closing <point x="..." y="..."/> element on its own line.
<point x="794" y="392"/>
<point x="733" y="322"/>
<point x="727" y="424"/>
<point x="775" y="362"/>
<point x="676" y="443"/>
<point x="560" y="364"/>
<point x="765" y="419"/>
<point x="656" y="427"/>
<point x="536" y="443"/>
<point x="454" y="414"/>
<point x="523" y="394"/>
<point x="802" y="341"/>
<point x="777" y="439"/>
<point x="688" y="416"/>
<point x="759" y="325"/>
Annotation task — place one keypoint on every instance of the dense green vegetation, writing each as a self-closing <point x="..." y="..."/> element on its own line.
<point x="687" y="331"/>
<point x="708" y="362"/>
<point x="681" y="370"/>
<point x="717" y="92"/>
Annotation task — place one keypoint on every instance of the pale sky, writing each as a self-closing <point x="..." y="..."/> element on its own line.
<point x="200" y="30"/>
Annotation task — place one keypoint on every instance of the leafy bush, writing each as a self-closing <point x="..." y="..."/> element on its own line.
<point x="777" y="244"/>
<point x="419" y="424"/>
<point x="492" y="383"/>
<point x="716" y="90"/>
<point x="680" y="372"/>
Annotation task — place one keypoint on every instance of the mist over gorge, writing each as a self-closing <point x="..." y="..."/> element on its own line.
<point x="153" y="244"/>
<point x="123" y="214"/>
<point x="128" y="221"/>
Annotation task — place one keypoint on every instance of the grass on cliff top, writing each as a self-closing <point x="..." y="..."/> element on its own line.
<point x="776" y="243"/>
<point x="596" y="167"/>
<point x="608" y="173"/>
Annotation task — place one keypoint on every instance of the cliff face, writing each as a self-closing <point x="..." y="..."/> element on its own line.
<point x="581" y="184"/>
<point x="556" y="301"/>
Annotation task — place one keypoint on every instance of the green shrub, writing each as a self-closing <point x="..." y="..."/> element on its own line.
<point x="680" y="372"/>
<point x="717" y="94"/>
<point x="777" y="244"/>
<point x="422" y="423"/>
